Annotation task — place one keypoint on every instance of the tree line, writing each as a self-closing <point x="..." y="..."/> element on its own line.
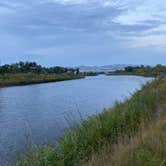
<point x="158" y="70"/>
<point x="142" y="70"/>
<point x="33" y="67"/>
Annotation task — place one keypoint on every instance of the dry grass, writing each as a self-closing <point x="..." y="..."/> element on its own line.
<point x="33" y="78"/>
<point x="146" y="148"/>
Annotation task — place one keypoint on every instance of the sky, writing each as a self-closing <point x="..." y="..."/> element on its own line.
<point x="83" y="32"/>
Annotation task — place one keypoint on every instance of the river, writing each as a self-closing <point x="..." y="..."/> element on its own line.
<point x="39" y="114"/>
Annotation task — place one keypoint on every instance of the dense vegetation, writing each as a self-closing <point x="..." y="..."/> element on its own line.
<point x="119" y="124"/>
<point x="156" y="71"/>
<point x="24" y="73"/>
<point x="33" y="78"/>
<point x="91" y="73"/>
<point x="33" y="67"/>
<point x="146" y="148"/>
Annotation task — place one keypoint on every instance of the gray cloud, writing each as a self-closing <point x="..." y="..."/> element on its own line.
<point x="29" y="27"/>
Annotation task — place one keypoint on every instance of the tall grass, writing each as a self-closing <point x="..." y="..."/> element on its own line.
<point x="106" y="128"/>
<point x="146" y="148"/>
<point x="32" y="78"/>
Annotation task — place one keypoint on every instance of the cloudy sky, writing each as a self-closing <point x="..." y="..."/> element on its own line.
<point x="83" y="32"/>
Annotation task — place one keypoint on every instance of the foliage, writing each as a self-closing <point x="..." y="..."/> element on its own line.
<point x="33" y="78"/>
<point x="157" y="71"/>
<point x="91" y="73"/>
<point x="24" y="73"/>
<point x="33" y="67"/>
<point x="146" y="148"/>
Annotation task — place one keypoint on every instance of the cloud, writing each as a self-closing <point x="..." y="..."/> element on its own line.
<point x="157" y="42"/>
<point x="5" y="11"/>
<point x="143" y="11"/>
<point x="44" y="24"/>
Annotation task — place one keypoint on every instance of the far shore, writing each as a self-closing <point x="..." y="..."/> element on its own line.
<point x="10" y="80"/>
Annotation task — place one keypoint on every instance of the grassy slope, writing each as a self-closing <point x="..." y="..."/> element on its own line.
<point x="119" y="123"/>
<point x="146" y="148"/>
<point x="31" y="78"/>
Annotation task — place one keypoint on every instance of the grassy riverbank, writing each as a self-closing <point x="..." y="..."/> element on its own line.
<point x="33" y="78"/>
<point x="146" y="148"/>
<point x="146" y="71"/>
<point x="112" y="128"/>
<point x="24" y="73"/>
<point x="123" y="73"/>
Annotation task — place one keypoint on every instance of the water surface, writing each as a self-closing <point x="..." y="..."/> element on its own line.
<point x="38" y="114"/>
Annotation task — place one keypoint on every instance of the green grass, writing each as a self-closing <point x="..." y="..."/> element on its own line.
<point x="137" y="73"/>
<point x="32" y="78"/>
<point x="146" y="148"/>
<point x="107" y="128"/>
<point x="146" y="72"/>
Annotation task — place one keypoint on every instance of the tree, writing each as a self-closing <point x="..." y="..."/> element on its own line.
<point x="33" y="67"/>
<point x="77" y="71"/>
<point x="129" y="69"/>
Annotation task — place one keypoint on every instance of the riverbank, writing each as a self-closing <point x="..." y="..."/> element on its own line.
<point x="121" y="122"/>
<point x="145" y="71"/>
<point x="33" y="78"/>
<point x="147" y="147"/>
<point x="123" y="73"/>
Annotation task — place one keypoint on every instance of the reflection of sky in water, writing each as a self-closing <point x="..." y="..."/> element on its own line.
<point x="37" y="114"/>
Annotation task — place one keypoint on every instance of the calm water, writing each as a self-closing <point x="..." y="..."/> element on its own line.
<point x="38" y="114"/>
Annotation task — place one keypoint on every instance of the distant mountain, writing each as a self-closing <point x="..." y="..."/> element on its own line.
<point x="105" y="68"/>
